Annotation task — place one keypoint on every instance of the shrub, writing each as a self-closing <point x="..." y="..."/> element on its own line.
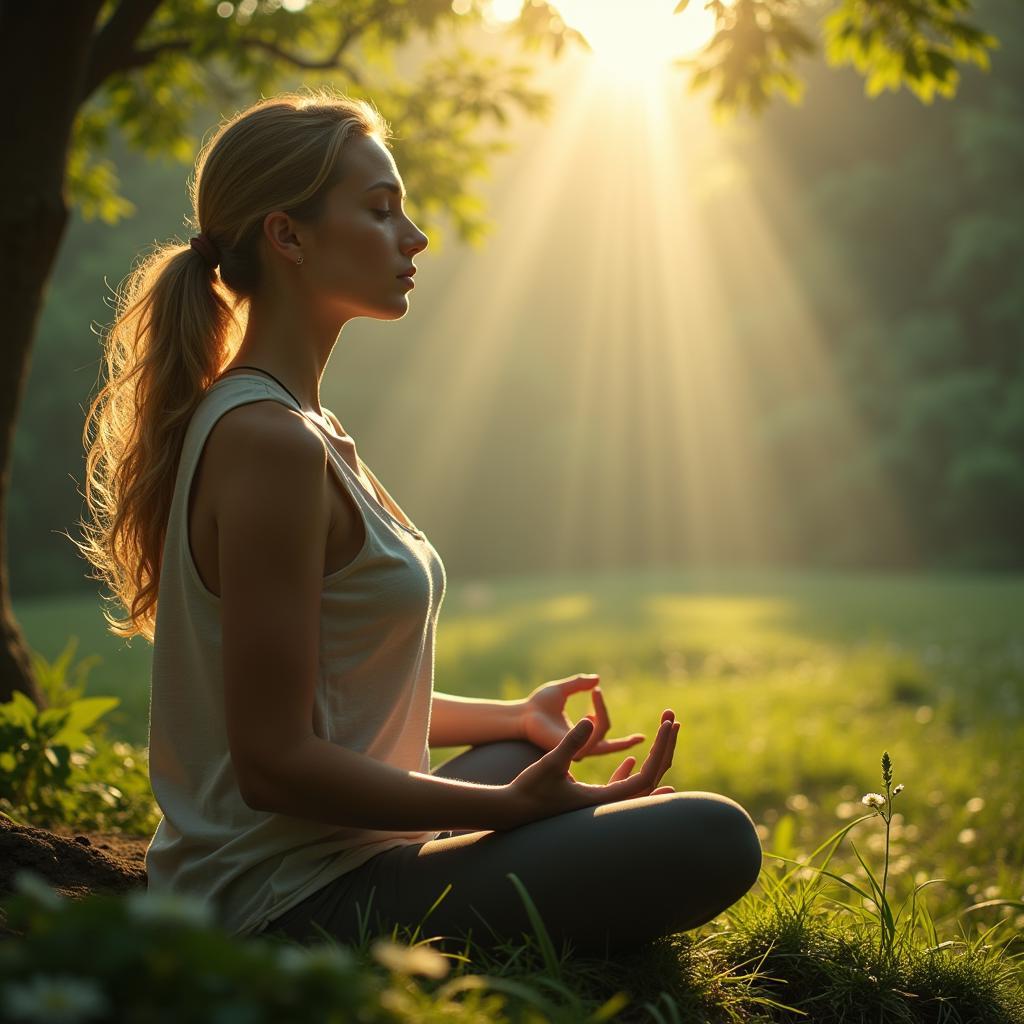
<point x="57" y="765"/>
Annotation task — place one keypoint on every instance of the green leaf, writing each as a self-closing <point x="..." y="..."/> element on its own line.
<point x="20" y="711"/>
<point x="84" y="713"/>
<point x="543" y="938"/>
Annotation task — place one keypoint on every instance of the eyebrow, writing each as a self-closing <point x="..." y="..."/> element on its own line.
<point x="391" y="187"/>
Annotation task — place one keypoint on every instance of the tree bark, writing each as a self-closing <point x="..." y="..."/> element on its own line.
<point x="44" y="54"/>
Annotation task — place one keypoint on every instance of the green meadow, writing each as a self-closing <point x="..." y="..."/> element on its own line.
<point x="788" y="686"/>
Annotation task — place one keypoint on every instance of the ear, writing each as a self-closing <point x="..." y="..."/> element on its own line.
<point x="279" y="231"/>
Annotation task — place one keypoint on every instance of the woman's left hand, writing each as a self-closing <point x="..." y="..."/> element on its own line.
<point x="544" y="721"/>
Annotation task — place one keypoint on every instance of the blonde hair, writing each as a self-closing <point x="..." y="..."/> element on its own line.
<point x="178" y="323"/>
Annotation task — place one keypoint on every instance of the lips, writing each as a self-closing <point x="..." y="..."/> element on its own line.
<point x="407" y="273"/>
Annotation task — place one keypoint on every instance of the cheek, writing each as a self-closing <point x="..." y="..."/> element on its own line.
<point x="365" y="239"/>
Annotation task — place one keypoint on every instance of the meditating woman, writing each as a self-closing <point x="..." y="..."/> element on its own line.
<point x="292" y="604"/>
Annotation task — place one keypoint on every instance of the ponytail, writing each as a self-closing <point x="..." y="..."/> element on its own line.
<point x="179" y="320"/>
<point x="169" y="340"/>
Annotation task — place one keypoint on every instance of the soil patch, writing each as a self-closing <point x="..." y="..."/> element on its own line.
<point x="73" y="863"/>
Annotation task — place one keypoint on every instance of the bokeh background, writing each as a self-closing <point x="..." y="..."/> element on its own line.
<point x="727" y="409"/>
<point x="791" y="340"/>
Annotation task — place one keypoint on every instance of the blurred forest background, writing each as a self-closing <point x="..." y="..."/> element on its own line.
<point x="891" y="434"/>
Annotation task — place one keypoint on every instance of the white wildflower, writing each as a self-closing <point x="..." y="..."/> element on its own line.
<point x="144" y="905"/>
<point x="875" y="800"/>
<point x="55" y="999"/>
<point x="411" y="959"/>
<point x="899" y="789"/>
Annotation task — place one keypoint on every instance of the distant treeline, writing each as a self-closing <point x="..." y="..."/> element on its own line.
<point x="921" y="206"/>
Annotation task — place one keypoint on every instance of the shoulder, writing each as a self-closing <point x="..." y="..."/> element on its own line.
<point x="266" y="428"/>
<point x="267" y="447"/>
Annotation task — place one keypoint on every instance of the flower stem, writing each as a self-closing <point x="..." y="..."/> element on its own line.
<point x="886" y="935"/>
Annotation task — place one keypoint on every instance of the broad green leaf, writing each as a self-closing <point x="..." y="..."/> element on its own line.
<point x="84" y="713"/>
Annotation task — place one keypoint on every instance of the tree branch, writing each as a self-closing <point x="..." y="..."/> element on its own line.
<point x="331" y="62"/>
<point x="114" y="44"/>
<point x="113" y="51"/>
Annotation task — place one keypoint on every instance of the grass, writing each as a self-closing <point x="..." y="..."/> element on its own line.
<point x="788" y="687"/>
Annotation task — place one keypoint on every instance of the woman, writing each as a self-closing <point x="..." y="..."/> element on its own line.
<point x="292" y="604"/>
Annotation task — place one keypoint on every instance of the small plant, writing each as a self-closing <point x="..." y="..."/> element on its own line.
<point x="36" y="748"/>
<point x="881" y="804"/>
<point x="57" y="766"/>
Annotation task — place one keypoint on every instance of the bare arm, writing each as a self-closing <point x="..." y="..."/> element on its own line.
<point x="455" y="721"/>
<point x="274" y="514"/>
<point x="327" y="782"/>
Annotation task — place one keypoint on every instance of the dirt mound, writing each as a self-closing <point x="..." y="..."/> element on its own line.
<point x="73" y="863"/>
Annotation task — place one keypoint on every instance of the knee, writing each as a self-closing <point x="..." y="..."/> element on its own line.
<point x="738" y="844"/>
<point x="728" y="842"/>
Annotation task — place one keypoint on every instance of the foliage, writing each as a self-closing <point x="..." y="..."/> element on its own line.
<point x="783" y="953"/>
<point x="191" y="51"/>
<point x="909" y="974"/>
<point x="156" y="959"/>
<point x="906" y="42"/>
<point x="892" y="43"/>
<point x="58" y="767"/>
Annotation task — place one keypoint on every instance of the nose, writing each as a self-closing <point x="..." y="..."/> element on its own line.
<point x="416" y="242"/>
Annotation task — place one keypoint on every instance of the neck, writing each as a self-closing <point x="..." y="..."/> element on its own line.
<point x="292" y="350"/>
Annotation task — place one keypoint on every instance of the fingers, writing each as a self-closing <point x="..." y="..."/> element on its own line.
<point x="622" y="772"/>
<point x="603" y="721"/>
<point x="660" y="757"/>
<point x="622" y="786"/>
<point x="581" y="753"/>
<point x="666" y="761"/>
<point x="570" y="743"/>
<point x="575" y="684"/>
<point x="613" y="746"/>
<point x="599" y="718"/>
<point x="646" y="779"/>
<point x="599" y="745"/>
<point x="667" y="750"/>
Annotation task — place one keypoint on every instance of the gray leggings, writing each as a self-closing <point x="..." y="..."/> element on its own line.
<point x="604" y="878"/>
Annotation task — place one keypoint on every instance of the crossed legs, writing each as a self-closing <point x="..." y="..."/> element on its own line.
<point x="603" y="878"/>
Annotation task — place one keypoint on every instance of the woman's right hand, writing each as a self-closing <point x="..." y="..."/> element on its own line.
<point x="546" y="788"/>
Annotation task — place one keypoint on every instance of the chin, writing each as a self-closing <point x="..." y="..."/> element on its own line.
<point x="397" y="311"/>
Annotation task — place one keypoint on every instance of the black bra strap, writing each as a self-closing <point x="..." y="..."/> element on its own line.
<point x="269" y="374"/>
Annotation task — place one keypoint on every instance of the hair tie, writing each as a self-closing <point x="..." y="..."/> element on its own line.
<point x="202" y="244"/>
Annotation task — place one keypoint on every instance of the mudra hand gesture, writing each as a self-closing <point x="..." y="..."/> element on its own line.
<point x="545" y="724"/>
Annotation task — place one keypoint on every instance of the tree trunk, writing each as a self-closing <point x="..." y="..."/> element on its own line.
<point x="44" y="53"/>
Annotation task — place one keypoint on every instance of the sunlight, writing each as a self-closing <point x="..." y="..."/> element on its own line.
<point x="605" y="325"/>
<point x="635" y="41"/>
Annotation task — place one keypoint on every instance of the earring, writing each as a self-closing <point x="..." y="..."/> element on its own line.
<point x="298" y="262"/>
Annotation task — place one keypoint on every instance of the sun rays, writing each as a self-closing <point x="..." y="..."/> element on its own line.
<point x="595" y="337"/>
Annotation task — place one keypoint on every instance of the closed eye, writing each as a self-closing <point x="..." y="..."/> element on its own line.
<point x="383" y="214"/>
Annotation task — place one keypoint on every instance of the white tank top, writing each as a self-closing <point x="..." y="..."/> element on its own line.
<point x="378" y="617"/>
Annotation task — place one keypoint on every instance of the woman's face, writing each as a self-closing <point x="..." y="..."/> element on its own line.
<point x="355" y="255"/>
